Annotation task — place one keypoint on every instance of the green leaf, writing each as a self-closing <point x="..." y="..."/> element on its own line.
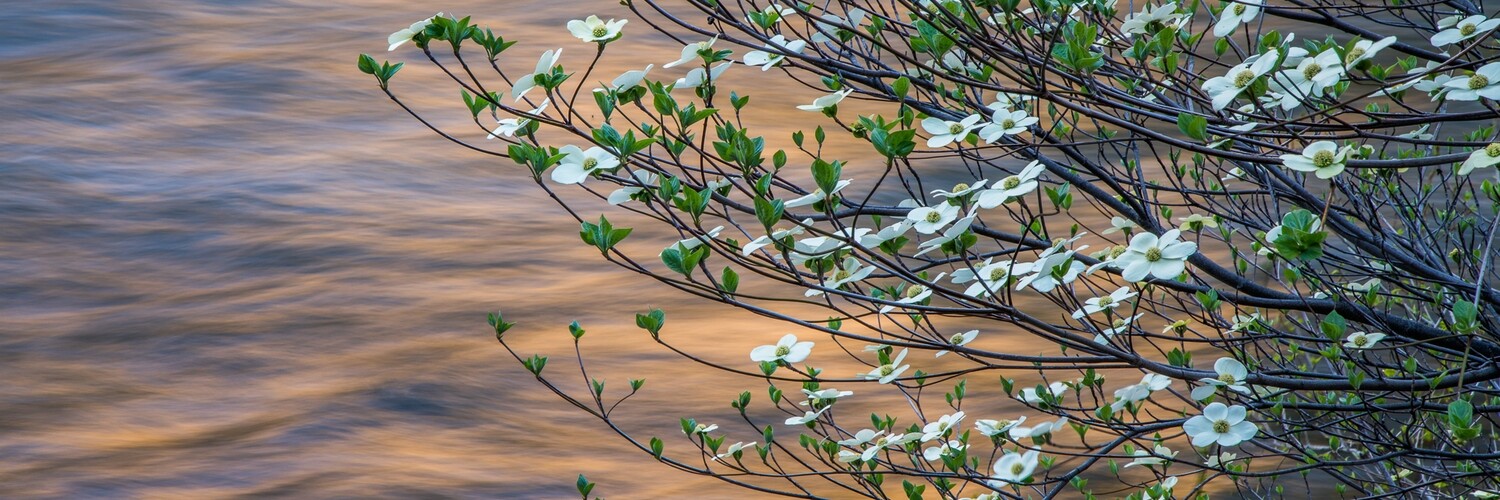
<point x="584" y="486"/>
<point x="652" y="321"/>
<point x="367" y="64"/>
<point x="729" y="281"/>
<point x="769" y="212"/>
<point x="1193" y="125"/>
<point x="1333" y="326"/>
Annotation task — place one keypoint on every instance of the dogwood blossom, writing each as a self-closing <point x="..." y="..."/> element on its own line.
<point x="824" y="395"/>
<point x="776" y="234"/>
<point x="1006" y="123"/>
<point x="1156" y="456"/>
<point x="1324" y="159"/>
<point x="643" y="177"/>
<point x="1223" y="89"/>
<point x="850" y="271"/>
<point x="829" y="24"/>
<point x="826" y="101"/>
<point x="690" y="52"/>
<point x="1040" y="430"/>
<point x="806" y="417"/>
<point x="1365" y="50"/>
<point x="944" y="132"/>
<point x="1052" y="268"/>
<point x="528" y="81"/>
<point x="1485" y="157"/>
<point x="1236" y="13"/>
<point x="1152" y="19"/>
<point x="733" y="449"/>
<point x="888" y="372"/>
<point x="1120" y="325"/>
<point x="817" y="195"/>
<point x="1032" y="396"/>
<point x="697" y="77"/>
<point x="1232" y="375"/>
<point x="1161" y="257"/>
<point x="1460" y="29"/>
<point x="787" y="350"/>
<point x="928" y="220"/>
<point x="1221" y="424"/>
<point x="627" y="80"/>
<point x="960" y="190"/>
<point x="994" y="276"/>
<point x="1014" y="468"/>
<point x="1485" y="82"/>
<point x="959" y="229"/>
<point x="399" y="38"/>
<point x="1140" y="391"/>
<point x="593" y="29"/>
<point x="959" y="339"/>
<point x="775" y="52"/>
<point x="509" y="126"/>
<point x="941" y="426"/>
<point x="943" y="449"/>
<point x="1362" y="340"/>
<point x="1118" y="224"/>
<point x="1011" y="187"/>
<point x="1104" y="303"/>
<point x="992" y="427"/>
<point x="578" y="164"/>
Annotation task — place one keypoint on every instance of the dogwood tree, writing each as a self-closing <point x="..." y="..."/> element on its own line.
<point x="1279" y="218"/>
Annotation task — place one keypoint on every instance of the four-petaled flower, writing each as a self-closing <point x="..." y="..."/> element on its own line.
<point x="1005" y="123"/>
<point x="1140" y="391"/>
<point x="959" y="339"/>
<point x="401" y="37"/>
<point x="1151" y="19"/>
<point x="1054" y="390"/>
<point x="1011" y="187"/>
<point x="1156" y="456"/>
<point x="1104" y="303"/>
<point x="1014" y="468"/>
<point x="509" y="126"/>
<point x="1362" y="340"/>
<point x="1224" y="425"/>
<point x="787" y="350"/>
<point x="593" y="29"/>
<point x="1485" y="82"/>
<point x="826" y="101"/>
<point x="1162" y="257"/>
<point x="577" y="164"/>
<point x="775" y="52"/>
<point x="1225" y="88"/>
<point x="940" y="428"/>
<point x="992" y="428"/>
<point x="928" y="220"/>
<point x="888" y="372"/>
<point x="1460" y="29"/>
<point x="528" y="81"/>
<point x="944" y="132"/>
<point x="697" y="77"/>
<point x="1231" y="375"/>
<point x="1484" y="157"/>
<point x="690" y="52"/>
<point x="1324" y="159"/>
<point x="1234" y="14"/>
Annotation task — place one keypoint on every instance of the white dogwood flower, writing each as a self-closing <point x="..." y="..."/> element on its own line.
<point x="787" y="350"/>
<point x="943" y="449"/>
<point x="826" y="101"/>
<point x="593" y="29"/>
<point x="1485" y="82"/>
<point x="1005" y="123"/>
<point x="936" y="429"/>
<point x="627" y="80"/>
<point x="1462" y="29"/>
<point x="1223" y="89"/>
<point x="509" y="126"/>
<point x="1365" y="50"/>
<point x="824" y="395"/>
<point x="697" y="77"/>
<point x="1014" y="468"/>
<point x="1323" y="158"/>
<point x="994" y="276"/>
<point x="1011" y="187"/>
<point x="806" y="417"/>
<point x="1040" y="430"/>
<point x="1156" y="456"/>
<point x="577" y="164"/>
<point x="1032" y="396"/>
<point x="1224" y="425"/>
<point x="1235" y="14"/>
<point x="817" y="195"/>
<point x="888" y="372"/>
<point x="774" y="52"/>
<point x="399" y="38"/>
<point x="1484" y="157"/>
<point x="1104" y="303"/>
<point x="928" y="220"/>
<point x="690" y="52"/>
<point x="1140" y="391"/>
<point x="1362" y="340"/>
<point x="528" y="81"/>
<point x="1231" y="375"/>
<point x="959" y="339"/>
<point x="851" y="271"/>
<point x="1161" y="257"/>
<point x="943" y="132"/>
<point x="992" y="428"/>
<point x="734" y="448"/>
<point x="1152" y="19"/>
<point x="645" y="178"/>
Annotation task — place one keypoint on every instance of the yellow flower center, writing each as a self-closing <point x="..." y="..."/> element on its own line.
<point x="1227" y="378"/>
<point x="1239" y="9"/>
<point x="1354" y="55"/>
<point x="997" y="273"/>
<point x="933" y="217"/>
<point x="1011" y="182"/>
<point x="841" y="275"/>
<point x="600" y="31"/>
<point x="1007" y="123"/>
<point x="886" y="370"/>
<point x="913" y="292"/>
<point x="1478" y="81"/>
<point x="1359" y="340"/>
<point x="1221" y="426"/>
<point x="1180" y="326"/>
<point x="957" y="338"/>
<point x="1117" y="251"/>
<point x="1153" y="254"/>
<point x="960" y="187"/>
<point x="955" y="128"/>
<point x="1323" y="159"/>
<point x="1493" y="150"/>
<point x="1119" y="323"/>
<point x="782" y="350"/>
<point x="590" y="163"/>
<point x="1106" y="301"/>
<point x="1311" y="71"/>
<point x="1017" y="469"/>
<point x="1243" y="78"/>
<point x="1467" y="29"/>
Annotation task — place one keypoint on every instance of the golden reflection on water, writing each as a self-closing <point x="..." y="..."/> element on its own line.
<point x="233" y="268"/>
